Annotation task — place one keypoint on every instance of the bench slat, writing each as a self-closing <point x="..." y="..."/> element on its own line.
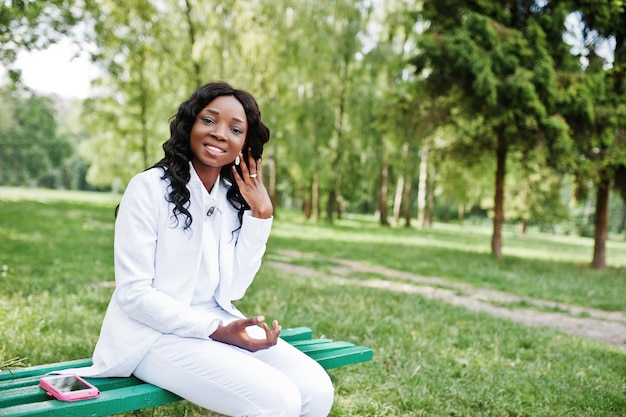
<point x="296" y="333"/>
<point x="21" y="396"/>
<point x="41" y="369"/>
<point x="110" y="402"/>
<point x="27" y="390"/>
<point x="300" y="343"/>
<point x="323" y="347"/>
<point x="343" y="357"/>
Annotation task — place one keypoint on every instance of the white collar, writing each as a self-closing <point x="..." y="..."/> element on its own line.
<point x="209" y="198"/>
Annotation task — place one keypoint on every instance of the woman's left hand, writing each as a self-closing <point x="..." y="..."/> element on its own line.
<point x="235" y="334"/>
<point x="251" y="186"/>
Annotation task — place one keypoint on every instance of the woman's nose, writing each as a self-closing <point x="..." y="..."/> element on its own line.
<point x="220" y="131"/>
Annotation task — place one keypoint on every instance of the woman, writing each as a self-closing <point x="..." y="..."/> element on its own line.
<point x="189" y="238"/>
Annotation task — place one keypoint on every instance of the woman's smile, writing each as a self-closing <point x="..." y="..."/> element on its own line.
<point x="214" y="149"/>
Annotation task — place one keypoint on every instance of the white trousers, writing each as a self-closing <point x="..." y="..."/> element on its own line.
<point x="274" y="382"/>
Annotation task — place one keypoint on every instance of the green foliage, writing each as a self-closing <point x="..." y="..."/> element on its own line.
<point x="32" y="149"/>
<point x="337" y="85"/>
<point x="504" y="72"/>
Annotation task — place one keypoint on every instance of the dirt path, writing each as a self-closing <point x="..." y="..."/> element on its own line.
<point x="609" y="327"/>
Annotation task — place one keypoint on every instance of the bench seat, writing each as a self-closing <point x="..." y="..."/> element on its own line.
<point x="21" y="396"/>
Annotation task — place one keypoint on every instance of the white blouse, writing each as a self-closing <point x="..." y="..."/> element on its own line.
<point x="209" y="272"/>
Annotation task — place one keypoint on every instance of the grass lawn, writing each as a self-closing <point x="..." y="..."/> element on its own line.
<point x="431" y="358"/>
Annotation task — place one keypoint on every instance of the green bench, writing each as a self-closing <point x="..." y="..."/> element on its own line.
<point x="20" y="394"/>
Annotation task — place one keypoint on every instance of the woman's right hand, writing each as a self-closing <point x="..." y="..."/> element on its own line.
<point x="235" y="334"/>
<point x="251" y="187"/>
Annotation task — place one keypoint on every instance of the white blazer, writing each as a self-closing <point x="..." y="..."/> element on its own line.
<point x="157" y="264"/>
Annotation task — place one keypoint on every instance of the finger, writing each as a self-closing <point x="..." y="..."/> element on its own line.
<point x="243" y="178"/>
<point x="276" y="326"/>
<point x="268" y="331"/>
<point x="236" y="175"/>
<point x="251" y="161"/>
<point x="259" y="170"/>
<point x="239" y="325"/>
<point x="245" y="166"/>
<point x="250" y="321"/>
<point x="271" y="337"/>
<point x="252" y="165"/>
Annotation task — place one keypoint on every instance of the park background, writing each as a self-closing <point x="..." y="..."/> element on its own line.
<point x="478" y="142"/>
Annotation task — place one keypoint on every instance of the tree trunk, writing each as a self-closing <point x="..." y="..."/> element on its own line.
<point x="191" y="32"/>
<point x="331" y="204"/>
<point x="306" y="202"/>
<point x="601" y="223"/>
<point x="407" y="199"/>
<point x="498" y="217"/>
<point x="430" y="200"/>
<point x="334" y="189"/>
<point x="16" y="173"/>
<point x="397" y="200"/>
<point x="382" y="195"/>
<point x="340" y="207"/>
<point x="315" y="196"/>
<point x="461" y="214"/>
<point x="622" y="226"/>
<point x="421" y="188"/>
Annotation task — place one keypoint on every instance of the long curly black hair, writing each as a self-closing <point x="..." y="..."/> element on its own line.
<point x="175" y="163"/>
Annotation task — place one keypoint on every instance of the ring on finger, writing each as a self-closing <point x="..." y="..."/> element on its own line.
<point x="253" y="176"/>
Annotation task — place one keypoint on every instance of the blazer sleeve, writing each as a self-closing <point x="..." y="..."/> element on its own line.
<point x="249" y="251"/>
<point x="135" y="246"/>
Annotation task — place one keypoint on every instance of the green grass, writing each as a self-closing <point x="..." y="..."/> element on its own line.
<point x="537" y="265"/>
<point x="431" y="358"/>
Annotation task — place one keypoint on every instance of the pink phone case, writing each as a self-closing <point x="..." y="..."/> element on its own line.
<point x="68" y="387"/>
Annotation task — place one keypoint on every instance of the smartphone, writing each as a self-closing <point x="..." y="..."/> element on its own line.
<point x="68" y="387"/>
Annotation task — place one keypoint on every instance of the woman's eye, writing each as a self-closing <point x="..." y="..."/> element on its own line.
<point x="208" y="120"/>
<point x="237" y="130"/>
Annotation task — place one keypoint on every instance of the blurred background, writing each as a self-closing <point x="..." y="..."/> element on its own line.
<point x="507" y="113"/>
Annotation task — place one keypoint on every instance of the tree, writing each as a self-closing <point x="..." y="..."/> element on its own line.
<point x="395" y="138"/>
<point x="312" y="58"/>
<point x="347" y="21"/>
<point x="499" y="60"/>
<point x="595" y="106"/>
<point x="31" y="148"/>
<point x="147" y="71"/>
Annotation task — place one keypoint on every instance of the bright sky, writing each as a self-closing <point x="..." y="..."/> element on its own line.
<point x="61" y="69"/>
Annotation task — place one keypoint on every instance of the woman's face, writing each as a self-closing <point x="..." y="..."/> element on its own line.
<point x="219" y="132"/>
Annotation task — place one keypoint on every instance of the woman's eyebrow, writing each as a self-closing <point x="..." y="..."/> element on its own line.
<point x="215" y="112"/>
